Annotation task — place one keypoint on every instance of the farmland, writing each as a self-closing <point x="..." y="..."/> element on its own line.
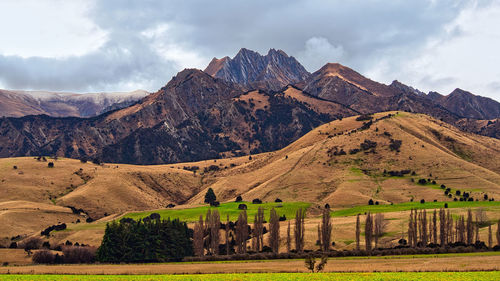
<point x="492" y="275"/>
<point x="192" y="214"/>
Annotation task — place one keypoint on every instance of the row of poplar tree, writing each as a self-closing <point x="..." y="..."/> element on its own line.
<point x="437" y="229"/>
<point x="207" y="235"/>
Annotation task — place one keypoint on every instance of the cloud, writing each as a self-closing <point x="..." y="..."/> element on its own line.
<point x="146" y="42"/>
<point x="318" y="51"/>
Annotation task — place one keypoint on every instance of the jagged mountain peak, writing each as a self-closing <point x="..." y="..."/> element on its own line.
<point x="253" y="70"/>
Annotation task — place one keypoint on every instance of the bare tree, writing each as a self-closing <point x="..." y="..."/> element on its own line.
<point x="198" y="236"/>
<point x="498" y="232"/>
<point x="299" y="230"/>
<point x="227" y="236"/>
<point x="288" y="239"/>
<point x="214" y="225"/>
<point x="358" y="232"/>
<point x="274" y="231"/>
<point x="411" y="242"/>
<point x="318" y="242"/>
<point x="434" y="227"/>
<point x="490" y="240"/>
<point x="326" y="230"/>
<point x="379" y="227"/>
<point x="442" y="227"/>
<point x="424" y="227"/>
<point x="368" y="232"/>
<point x="461" y="229"/>
<point x="241" y="233"/>
<point x="258" y="230"/>
<point x="470" y="227"/>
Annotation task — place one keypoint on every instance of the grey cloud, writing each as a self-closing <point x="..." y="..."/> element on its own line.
<point x="357" y="31"/>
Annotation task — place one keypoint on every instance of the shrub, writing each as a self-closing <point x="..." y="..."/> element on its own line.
<point x="422" y="201"/>
<point x="13" y="245"/>
<point x="445" y="205"/>
<point x="50" y="165"/>
<point x="457" y="192"/>
<point x="395" y="145"/>
<point x="170" y="205"/>
<point x="15" y="167"/>
<point x="282" y="218"/>
<point x="215" y="204"/>
<point x="443" y="186"/>
<point x="370" y="202"/>
<point x="77" y="254"/>
<point x="278" y="200"/>
<point x="32" y="243"/>
<point x="242" y="206"/>
<point x="364" y="117"/>
<point x="256" y="201"/>
<point x="155" y="216"/>
<point x="238" y="199"/>
<point x="422" y="181"/>
<point x="44" y="257"/>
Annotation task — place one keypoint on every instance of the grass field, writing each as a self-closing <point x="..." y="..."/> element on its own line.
<point x="413" y="205"/>
<point x="192" y="214"/>
<point x="430" y="276"/>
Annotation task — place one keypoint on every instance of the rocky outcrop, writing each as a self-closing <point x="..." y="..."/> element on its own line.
<point x="270" y="72"/>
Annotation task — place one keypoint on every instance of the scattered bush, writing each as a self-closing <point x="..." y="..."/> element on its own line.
<point x="15" y="167"/>
<point x="43" y="257"/>
<point x="57" y="227"/>
<point x="242" y="206"/>
<point x="13" y="245"/>
<point x="50" y="165"/>
<point x="422" y="181"/>
<point x="78" y="254"/>
<point x="278" y="200"/>
<point x="32" y="243"/>
<point x="170" y="205"/>
<point x="155" y="216"/>
<point x="238" y="199"/>
<point x="364" y="117"/>
<point x="422" y="201"/>
<point x="370" y="202"/>
<point x="256" y="201"/>
<point x="395" y="145"/>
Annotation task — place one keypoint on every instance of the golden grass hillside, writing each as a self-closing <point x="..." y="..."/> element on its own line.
<point x="311" y="169"/>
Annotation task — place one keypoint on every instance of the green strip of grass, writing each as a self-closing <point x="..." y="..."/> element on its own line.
<point x="430" y="276"/>
<point x="192" y="214"/>
<point x="411" y="205"/>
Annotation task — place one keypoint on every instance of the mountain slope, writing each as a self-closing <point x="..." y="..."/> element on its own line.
<point x="312" y="169"/>
<point x="271" y="72"/>
<point x="195" y="116"/>
<point x="468" y="105"/>
<point x="22" y="103"/>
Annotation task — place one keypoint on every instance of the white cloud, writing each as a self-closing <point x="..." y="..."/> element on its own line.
<point x="319" y="51"/>
<point x="45" y="28"/>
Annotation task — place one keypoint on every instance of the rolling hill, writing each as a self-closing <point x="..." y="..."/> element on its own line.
<point x="344" y="163"/>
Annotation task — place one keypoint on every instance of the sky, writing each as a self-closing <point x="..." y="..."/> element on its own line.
<point x="120" y="45"/>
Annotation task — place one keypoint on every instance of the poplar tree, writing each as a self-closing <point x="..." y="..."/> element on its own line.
<point x="470" y="227"/>
<point x="227" y="236"/>
<point x="241" y="233"/>
<point x="288" y="239"/>
<point x="299" y="230"/>
<point x="368" y="232"/>
<point x="274" y="231"/>
<point x="326" y="230"/>
<point x="434" y="227"/>
<point x="198" y="236"/>
<point x="489" y="237"/>
<point x="358" y="232"/>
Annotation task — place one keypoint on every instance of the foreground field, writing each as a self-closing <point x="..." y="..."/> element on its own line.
<point x="463" y="276"/>
<point x="432" y="263"/>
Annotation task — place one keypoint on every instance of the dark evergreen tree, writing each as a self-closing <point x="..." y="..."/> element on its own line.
<point x="210" y="196"/>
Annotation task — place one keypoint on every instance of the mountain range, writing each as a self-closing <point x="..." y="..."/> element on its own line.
<point x="58" y="104"/>
<point x="237" y="106"/>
